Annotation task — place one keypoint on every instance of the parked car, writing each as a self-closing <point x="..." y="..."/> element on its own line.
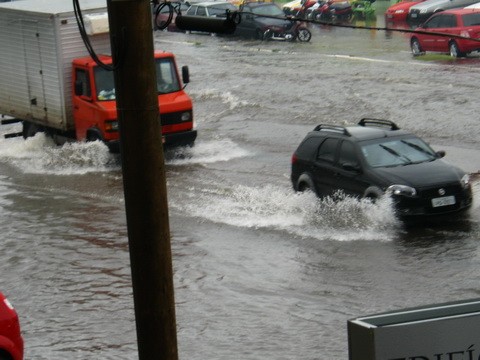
<point x="474" y="6"/>
<point x="375" y="158"/>
<point x="460" y="22"/>
<point x="266" y="20"/>
<point x="11" y="341"/>
<point x="164" y="15"/>
<point x="419" y="13"/>
<point x="398" y="12"/>
<point x="211" y="8"/>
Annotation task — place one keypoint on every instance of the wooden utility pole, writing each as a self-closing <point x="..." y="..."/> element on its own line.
<point x="143" y="178"/>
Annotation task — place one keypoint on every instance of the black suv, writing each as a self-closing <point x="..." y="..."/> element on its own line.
<point x="375" y="158"/>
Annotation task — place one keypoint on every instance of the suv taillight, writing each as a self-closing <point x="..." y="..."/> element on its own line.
<point x="294" y="159"/>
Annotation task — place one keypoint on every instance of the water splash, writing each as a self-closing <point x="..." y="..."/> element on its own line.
<point x="301" y="214"/>
<point x="39" y="155"/>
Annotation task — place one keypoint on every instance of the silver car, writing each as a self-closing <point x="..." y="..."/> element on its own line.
<point x="419" y="13"/>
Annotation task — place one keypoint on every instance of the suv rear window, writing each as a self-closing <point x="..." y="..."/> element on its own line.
<point x="327" y="150"/>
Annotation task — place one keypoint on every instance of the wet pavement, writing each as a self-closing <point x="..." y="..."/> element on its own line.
<point x="260" y="272"/>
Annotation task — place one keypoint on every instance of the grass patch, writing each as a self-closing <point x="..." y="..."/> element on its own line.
<point x="435" y="57"/>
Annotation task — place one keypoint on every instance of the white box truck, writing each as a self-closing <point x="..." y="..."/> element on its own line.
<point x="49" y="82"/>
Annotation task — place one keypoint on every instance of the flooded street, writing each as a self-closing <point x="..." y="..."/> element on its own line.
<point x="260" y="272"/>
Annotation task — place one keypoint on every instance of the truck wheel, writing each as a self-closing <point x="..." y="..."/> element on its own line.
<point x="93" y="136"/>
<point x="30" y="129"/>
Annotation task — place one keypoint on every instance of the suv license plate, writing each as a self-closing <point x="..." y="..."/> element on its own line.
<point x="443" y="201"/>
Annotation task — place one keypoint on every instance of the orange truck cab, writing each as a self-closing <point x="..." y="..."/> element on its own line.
<point x="94" y="106"/>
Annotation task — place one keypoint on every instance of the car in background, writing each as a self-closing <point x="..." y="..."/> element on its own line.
<point x="11" y="341"/>
<point x="450" y="24"/>
<point x="419" y="13"/>
<point x="398" y="12"/>
<point x="474" y="6"/>
<point x="164" y="15"/>
<point x="260" y="18"/>
<point x="211" y="8"/>
<point x="375" y="158"/>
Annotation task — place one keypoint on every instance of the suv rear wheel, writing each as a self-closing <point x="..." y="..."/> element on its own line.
<point x="305" y="183"/>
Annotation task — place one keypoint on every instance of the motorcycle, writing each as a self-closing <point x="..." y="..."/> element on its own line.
<point x="296" y="31"/>
<point x="330" y="11"/>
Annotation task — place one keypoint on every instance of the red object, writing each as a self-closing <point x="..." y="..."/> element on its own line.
<point x="399" y="11"/>
<point x="11" y="341"/>
<point x="95" y="105"/>
<point x="462" y="22"/>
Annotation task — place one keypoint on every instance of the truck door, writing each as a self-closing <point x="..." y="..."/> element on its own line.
<point x="83" y="106"/>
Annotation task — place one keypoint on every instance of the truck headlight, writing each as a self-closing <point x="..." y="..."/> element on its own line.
<point x="111" y="125"/>
<point x="401" y="190"/>
<point x="186" y="116"/>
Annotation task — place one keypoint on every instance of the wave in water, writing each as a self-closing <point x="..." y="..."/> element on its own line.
<point x="206" y="153"/>
<point x="226" y="97"/>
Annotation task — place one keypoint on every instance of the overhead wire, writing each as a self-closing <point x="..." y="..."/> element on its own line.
<point x="118" y="46"/>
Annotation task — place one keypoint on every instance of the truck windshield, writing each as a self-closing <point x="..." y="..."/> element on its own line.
<point x="166" y="74"/>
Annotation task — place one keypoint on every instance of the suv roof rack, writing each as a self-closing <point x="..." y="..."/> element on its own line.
<point x="333" y="128"/>
<point x="381" y="122"/>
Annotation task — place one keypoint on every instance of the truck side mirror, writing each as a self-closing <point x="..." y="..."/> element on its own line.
<point x="185" y="74"/>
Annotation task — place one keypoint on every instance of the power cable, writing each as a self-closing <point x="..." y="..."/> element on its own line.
<point x="118" y="46"/>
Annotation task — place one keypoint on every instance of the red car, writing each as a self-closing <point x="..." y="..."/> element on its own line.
<point x="11" y="341"/>
<point x="399" y="11"/>
<point x="460" y="22"/>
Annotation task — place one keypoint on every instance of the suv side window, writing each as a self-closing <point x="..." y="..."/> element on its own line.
<point x="348" y="154"/>
<point x="327" y="149"/>
<point x="201" y="11"/>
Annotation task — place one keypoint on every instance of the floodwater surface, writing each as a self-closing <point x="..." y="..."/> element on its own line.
<point x="260" y="271"/>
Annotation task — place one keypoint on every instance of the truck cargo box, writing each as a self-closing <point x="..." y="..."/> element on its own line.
<point x="38" y="40"/>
